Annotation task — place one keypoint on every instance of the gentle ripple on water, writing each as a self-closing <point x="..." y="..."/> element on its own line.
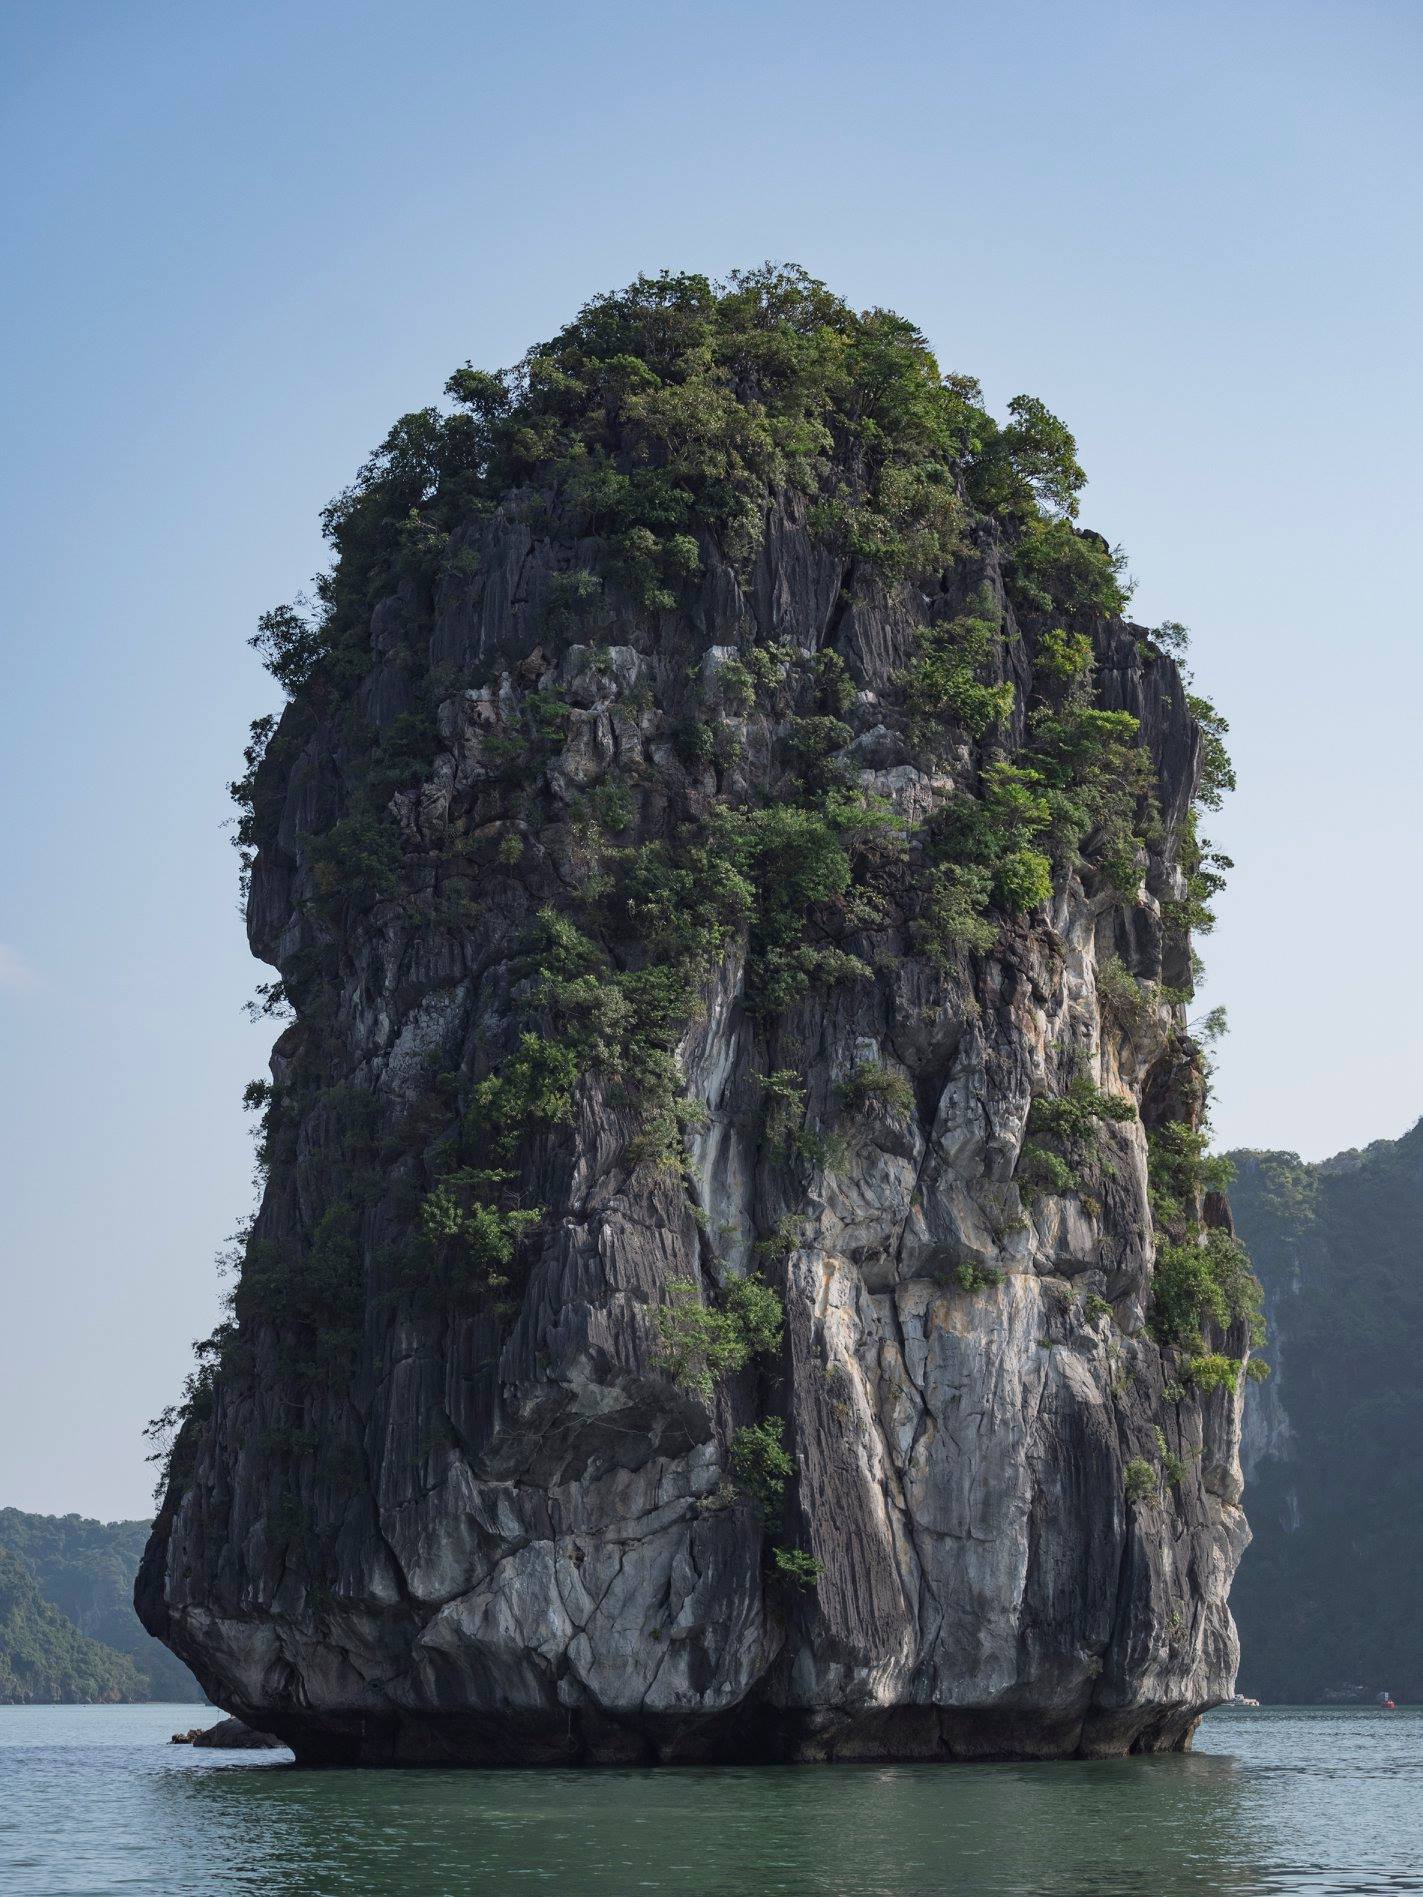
<point x="93" y="1803"/>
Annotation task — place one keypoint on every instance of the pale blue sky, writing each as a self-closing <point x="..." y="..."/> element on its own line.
<point x="239" y="240"/>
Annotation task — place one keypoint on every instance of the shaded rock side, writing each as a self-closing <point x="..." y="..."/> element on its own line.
<point x="492" y="1528"/>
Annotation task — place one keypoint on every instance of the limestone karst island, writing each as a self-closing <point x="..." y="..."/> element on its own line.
<point x="739" y="1276"/>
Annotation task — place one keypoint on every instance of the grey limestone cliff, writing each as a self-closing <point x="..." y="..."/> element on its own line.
<point x="425" y="1511"/>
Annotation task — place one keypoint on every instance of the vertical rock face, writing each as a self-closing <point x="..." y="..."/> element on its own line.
<point x="649" y="938"/>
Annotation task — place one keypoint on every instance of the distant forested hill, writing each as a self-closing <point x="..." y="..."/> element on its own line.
<point x="1327" y="1597"/>
<point x="43" y="1656"/>
<point x="84" y="1570"/>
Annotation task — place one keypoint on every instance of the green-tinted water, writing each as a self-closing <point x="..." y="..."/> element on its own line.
<point x="93" y="1800"/>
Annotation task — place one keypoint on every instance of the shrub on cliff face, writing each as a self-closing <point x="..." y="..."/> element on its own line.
<point x="1032" y="460"/>
<point x="1203" y="1275"/>
<point x="975" y="1277"/>
<point x="796" y="1567"/>
<point x="1080" y="780"/>
<point x="474" y="1240"/>
<point x="700" y="1343"/>
<point x="953" y="913"/>
<point x="945" y="680"/>
<point x="1203" y="1279"/>
<point x="1214" y="1371"/>
<point x="1181" y="1168"/>
<point x="1052" y="566"/>
<point x="1064" y="1134"/>
<point x="290" y="645"/>
<point x="760" y="1466"/>
<point x="1122" y="995"/>
<point x="357" y="860"/>
<point x="874" y="1086"/>
<point x="1139" y="1482"/>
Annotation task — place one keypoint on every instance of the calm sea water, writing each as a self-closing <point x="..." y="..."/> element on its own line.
<point x="93" y="1800"/>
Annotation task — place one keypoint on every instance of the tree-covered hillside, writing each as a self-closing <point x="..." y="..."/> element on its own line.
<point x="1326" y="1598"/>
<point x="44" y="1657"/>
<point x="83" y="1571"/>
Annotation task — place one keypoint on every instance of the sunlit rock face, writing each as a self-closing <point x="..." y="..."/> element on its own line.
<point x="478" y="1519"/>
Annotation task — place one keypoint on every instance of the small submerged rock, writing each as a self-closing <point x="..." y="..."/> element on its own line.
<point x="230" y="1734"/>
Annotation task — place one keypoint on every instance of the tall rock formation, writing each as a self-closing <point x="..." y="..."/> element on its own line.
<point x="731" y="868"/>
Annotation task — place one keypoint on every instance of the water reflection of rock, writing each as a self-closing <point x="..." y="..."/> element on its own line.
<point x="1174" y="1824"/>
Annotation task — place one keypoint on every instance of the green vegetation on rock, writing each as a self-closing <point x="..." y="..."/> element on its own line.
<point x="1203" y="1287"/>
<point x="701" y="1342"/>
<point x="1064" y="1135"/>
<point x="760" y="1466"/>
<point x="1140" y="1482"/>
<point x="873" y="1087"/>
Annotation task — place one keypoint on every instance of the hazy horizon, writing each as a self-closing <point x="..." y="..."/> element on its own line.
<point x="242" y="244"/>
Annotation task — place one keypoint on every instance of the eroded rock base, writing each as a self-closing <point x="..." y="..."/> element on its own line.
<point x="766" y="1736"/>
